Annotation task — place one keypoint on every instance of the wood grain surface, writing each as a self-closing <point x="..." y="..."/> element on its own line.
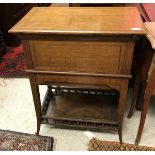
<point x="81" y="20"/>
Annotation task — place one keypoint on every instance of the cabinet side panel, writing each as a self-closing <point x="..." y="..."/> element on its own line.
<point x="28" y="55"/>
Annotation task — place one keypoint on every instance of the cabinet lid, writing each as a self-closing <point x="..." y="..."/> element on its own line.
<point x="81" y="20"/>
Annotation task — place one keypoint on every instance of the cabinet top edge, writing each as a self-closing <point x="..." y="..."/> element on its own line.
<point x="81" y="20"/>
<point x="109" y="33"/>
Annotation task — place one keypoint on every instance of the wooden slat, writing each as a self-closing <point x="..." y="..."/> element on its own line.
<point x="78" y="74"/>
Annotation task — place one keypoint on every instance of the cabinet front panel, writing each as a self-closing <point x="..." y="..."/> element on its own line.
<point x="71" y="56"/>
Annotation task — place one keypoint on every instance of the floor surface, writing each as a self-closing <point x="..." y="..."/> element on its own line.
<point x="17" y="114"/>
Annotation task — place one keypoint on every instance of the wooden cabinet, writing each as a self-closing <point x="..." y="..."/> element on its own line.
<point x="78" y="50"/>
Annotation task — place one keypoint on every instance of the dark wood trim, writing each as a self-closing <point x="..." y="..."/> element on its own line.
<point x="144" y="12"/>
<point x="79" y="37"/>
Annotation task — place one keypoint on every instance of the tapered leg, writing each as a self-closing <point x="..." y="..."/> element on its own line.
<point x="36" y="99"/>
<point x="134" y="97"/>
<point x="121" y="108"/>
<point x="147" y="97"/>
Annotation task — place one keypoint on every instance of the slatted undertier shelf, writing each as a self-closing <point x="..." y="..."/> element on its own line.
<point x="88" y="108"/>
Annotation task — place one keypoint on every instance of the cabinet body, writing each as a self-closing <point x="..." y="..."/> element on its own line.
<point x="97" y="62"/>
<point x="70" y="53"/>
